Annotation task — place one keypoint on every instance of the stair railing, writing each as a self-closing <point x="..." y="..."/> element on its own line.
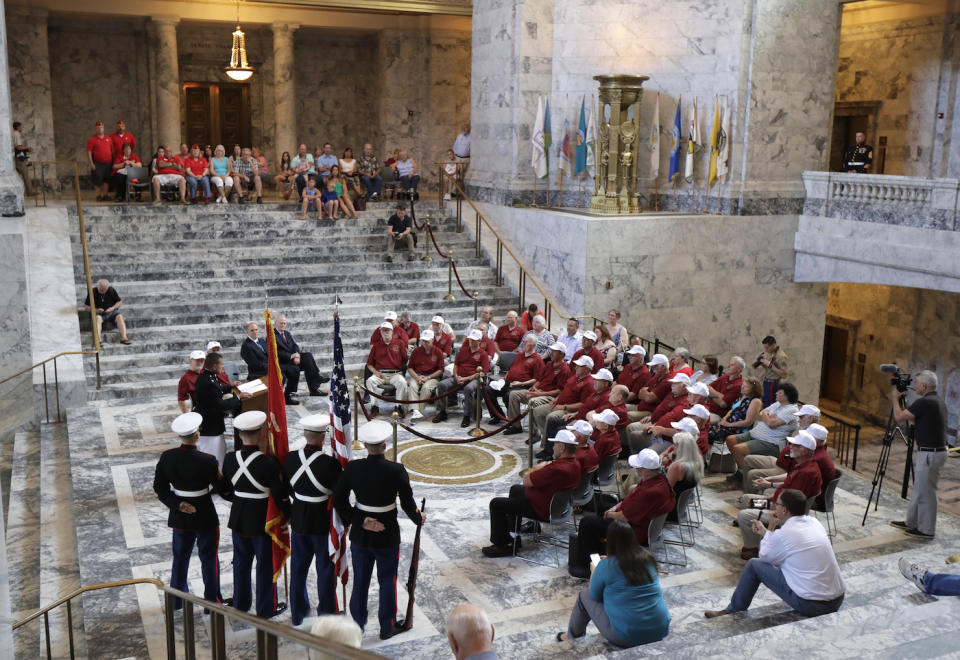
<point x="268" y="632"/>
<point x="93" y="312"/>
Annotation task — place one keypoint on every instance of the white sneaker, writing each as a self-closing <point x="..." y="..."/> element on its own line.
<point x="447" y="197"/>
<point x="913" y="572"/>
<point x="416" y="414"/>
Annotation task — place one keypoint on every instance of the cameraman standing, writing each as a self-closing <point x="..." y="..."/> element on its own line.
<point x="929" y="416"/>
<point x="772" y="366"/>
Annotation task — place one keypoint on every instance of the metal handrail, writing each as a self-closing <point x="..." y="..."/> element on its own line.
<point x="268" y="632"/>
<point x="93" y="311"/>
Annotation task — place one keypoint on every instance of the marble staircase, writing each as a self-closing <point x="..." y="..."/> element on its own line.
<point x="191" y="274"/>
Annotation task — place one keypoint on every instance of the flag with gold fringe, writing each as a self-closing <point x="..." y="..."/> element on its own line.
<point x="278" y="446"/>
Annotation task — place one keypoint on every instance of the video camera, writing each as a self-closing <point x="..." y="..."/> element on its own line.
<point x="901" y="380"/>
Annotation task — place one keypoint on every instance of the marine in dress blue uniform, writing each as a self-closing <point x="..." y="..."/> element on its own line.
<point x="254" y="477"/>
<point x="311" y="477"/>
<point x="374" y="531"/>
<point x="214" y="400"/>
<point x="183" y="480"/>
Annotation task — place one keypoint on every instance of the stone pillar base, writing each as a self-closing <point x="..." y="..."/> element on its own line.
<point x="11" y="195"/>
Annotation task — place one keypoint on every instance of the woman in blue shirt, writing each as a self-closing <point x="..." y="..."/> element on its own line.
<point x="624" y="599"/>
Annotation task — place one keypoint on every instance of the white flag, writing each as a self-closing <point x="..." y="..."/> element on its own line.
<point x="693" y="143"/>
<point x="539" y="159"/>
<point x="724" y="141"/>
<point x="655" y="140"/>
<point x="592" y="140"/>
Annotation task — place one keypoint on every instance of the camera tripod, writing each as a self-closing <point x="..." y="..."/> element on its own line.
<point x="893" y="431"/>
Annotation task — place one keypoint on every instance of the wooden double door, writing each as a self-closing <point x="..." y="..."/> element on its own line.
<point x="218" y="113"/>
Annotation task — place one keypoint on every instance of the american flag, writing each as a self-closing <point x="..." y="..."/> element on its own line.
<point x="342" y="447"/>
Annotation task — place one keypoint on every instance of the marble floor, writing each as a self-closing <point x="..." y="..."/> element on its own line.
<point x="121" y="533"/>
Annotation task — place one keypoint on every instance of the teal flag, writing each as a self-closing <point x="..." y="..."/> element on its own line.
<point x="547" y="135"/>
<point x="580" y="163"/>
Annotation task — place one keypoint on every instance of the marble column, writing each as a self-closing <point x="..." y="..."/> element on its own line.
<point x="284" y="89"/>
<point x="167" y="81"/>
<point x="11" y="188"/>
<point x="404" y="108"/>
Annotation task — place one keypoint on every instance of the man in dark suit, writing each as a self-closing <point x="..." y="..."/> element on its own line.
<point x="289" y="353"/>
<point x="253" y="350"/>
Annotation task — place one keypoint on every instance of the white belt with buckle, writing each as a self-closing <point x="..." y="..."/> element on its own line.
<point x="857" y="163"/>
<point x="191" y="493"/>
<point x="310" y="498"/>
<point x="377" y="509"/>
<point x="251" y="496"/>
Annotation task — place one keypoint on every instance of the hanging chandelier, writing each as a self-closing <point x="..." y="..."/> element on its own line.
<point x="239" y="69"/>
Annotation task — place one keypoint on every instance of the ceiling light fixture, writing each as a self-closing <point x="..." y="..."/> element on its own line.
<point x="239" y="69"/>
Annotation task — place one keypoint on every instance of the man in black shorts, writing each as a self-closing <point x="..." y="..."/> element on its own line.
<point x="106" y="302"/>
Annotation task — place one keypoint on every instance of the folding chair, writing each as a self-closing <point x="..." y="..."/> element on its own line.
<point x="656" y="539"/>
<point x="561" y="513"/>
<point x="828" y="507"/>
<point x="583" y="494"/>
<point x="138" y="178"/>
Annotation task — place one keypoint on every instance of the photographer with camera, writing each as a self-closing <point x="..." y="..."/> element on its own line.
<point x="772" y="366"/>
<point x="928" y="413"/>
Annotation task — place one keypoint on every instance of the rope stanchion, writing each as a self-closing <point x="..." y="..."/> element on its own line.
<point x="491" y="407"/>
<point x="405" y="401"/>
<point x="363" y="408"/>
<point x="462" y="441"/>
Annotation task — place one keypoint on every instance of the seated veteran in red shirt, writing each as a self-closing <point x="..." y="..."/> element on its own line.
<point x="509" y="334"/>
<point x="577" y="387"/>
<point x="550" y="381"/>
<point x="696" y="422"/>
<point x="821" y="456"/>
<point x="443" y="341"/>
<point x="385" y="361"/>
<point x="398" y="332"/>
<point x="532" y="499"/>
<point x="167" y="172"/>
<point x="679" y="362"/>
<point x="521" y="376"/>
<point x="424" y="369"/>
<point x="651" y="497"/>
<point x="197" y="170"/>
<point x="465" y="372"/>
<point x="588" y="346"/>
<point x="485" y="342"/>
<point x="606" y="440"/>
<point x="409" y="327"/>
<point x="618" y="404"/>
<point x="123" y="161"/>
<point x="725" y="390"/>
<point x="803" y="476"/>
<point x="637" y="432"/>
<point x="591" y="399"/>
<point x="634" y="374"/>
<point x="188" y="381"/>
<point x="657" y="387"/>
<point x="586" y="455"/>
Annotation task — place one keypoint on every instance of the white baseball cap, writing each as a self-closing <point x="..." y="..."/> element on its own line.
<point x="437" y="319"/>
<point x="252" y="420"/>
<point x="637" y="350"/>
<point x="475" y="335"/>
<point x="565" y="437"/>
<point x="680" y="377"/>
<point x="584" y="361"/>
<point x="186" y="424"/>
<point x="688" y="425"/>
<point x="659" y="358"/>
<point x="607" y="417"/>
<point x="699" y="389"/>
<point x="647" y="458"/>
<point x="590" y="334"/>
<point x="197" y="355"/>
<point x="317" y="423"/>
<point x="390" y="316"/>
<point x="817" y="431"/>
<point x="374" y="432"/>
<point x="803" y="439"/>
<point x="426" y="335"/>
<point x="557" y="346"/>
<point x="386" y="325"/>
<point x="603" y="374"/>
<point x="581" y="426"/>
<point x="213" y="344"/>
<point x="698" y="410"/>
<point x="808" y="409"/>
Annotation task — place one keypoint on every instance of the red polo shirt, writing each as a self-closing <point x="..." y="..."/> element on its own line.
<point x="673" y="415"/>
<point x="594" y="355"/>
<point x="660" y="387"/>
<point x="102" y="148"/>
<point x="587" y="457"/>
<point x="375" y="338"/>
<point x="412" y="330"/>
<point x="685" y="369"/>
<point x="425" y="363"/>
<point x="165" y="165"/>
<point x="444" y="343"/>
<point x="559" y="475"/>
<point x="572" y="391"/>
<point x="828" y="471"/>
<point x="119" y="140"/>
<point x="467" y="362"/>
<point x="388" y="356"/>
<point x="524" y="367"/>
<point x="621" y="411"/>
<point x="703" y="440"/>
<point x="650" y="498"/>
<point x="120" y="158"/>
<point x="633" y="378"/>
<point x="592" y="400"/>
<point x="486" y="343"/>
<point x="606" y="443"/>
<point x="729" y="390"/>
<point x="805" y="478"/>
<point x="553" y="376"/>
<point x="509" y="339"/>
<point x="667" y="404"/>
<point x="195" y="166"/>
<point x="187" y="385"/>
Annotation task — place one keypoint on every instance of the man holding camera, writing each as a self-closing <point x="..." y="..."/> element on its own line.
<point x="772" y="366"/>
<point x="928" y="414"/>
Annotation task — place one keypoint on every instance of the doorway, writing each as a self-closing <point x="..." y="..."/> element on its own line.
<point x="833" y="370"/>
<point x="217" y="113"/>
<point x="849" y="118"/>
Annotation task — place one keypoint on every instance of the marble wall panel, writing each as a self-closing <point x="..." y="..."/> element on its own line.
<point x="30" y="90"/>
<point x="16" y="396"/>
<point x="403" y="106"/>
<point x="449" y="94"/>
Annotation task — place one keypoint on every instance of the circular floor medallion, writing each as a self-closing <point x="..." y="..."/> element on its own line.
<point x="475" y="462"/>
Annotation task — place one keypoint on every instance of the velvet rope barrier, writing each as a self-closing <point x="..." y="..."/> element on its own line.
<point x="430" y="400"/>
<point x="413" y="216"/>
<point x="491" y="407"/>
<point x="463" y="441"/>
<point x="363" y="408"/>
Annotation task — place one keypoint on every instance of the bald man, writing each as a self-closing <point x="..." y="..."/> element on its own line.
<point x="470" y="633"/>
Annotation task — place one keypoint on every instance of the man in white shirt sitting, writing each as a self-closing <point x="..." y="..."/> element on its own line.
<point x="796" y="562"/>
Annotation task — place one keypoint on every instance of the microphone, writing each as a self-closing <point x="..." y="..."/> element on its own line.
<point x="889" y="368"/>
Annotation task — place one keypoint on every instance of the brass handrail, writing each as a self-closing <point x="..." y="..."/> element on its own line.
<point x="82" y="590"/>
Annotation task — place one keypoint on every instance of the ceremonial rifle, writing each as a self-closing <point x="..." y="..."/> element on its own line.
<point x="414" y="567"/>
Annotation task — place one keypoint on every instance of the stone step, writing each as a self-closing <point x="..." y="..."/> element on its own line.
<point x="23" y="539"/>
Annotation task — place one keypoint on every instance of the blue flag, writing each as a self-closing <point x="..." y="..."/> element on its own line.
<point x="547" y="135"/>
<point x="580" y="162"/>
<point x="675" y="148"/>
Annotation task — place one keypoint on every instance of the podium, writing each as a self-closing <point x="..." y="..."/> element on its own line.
<point x="256" y="402"/>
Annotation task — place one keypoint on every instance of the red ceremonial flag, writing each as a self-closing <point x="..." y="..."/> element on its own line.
<point x="278" y="445"/>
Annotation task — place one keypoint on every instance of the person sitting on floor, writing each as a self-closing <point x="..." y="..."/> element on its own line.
<point x="532" y="498"/>
<point x="795" y="561"/>
<point x="933" y="584"/>
<point x="624" y="599"/>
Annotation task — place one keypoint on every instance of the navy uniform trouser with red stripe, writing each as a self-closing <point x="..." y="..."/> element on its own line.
<point x="303" y="548"/>
<point x="245" y="549"/>
<point x="387" y="561"/>
<point x="208" y="543"/>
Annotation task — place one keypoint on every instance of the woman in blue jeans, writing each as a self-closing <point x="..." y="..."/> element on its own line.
<point x="624" y="599"/>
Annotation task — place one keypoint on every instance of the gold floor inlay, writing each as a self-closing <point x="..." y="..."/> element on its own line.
<point x="476" y="462"/>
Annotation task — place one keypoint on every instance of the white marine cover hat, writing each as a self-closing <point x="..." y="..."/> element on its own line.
<point x="186" y="424"/>
<point x="252" y="420"/>
<point x="317" y="423"/>
<point x="374" y="432"/>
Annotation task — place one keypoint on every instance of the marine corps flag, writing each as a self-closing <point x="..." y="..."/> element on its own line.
<point x="277" y="445"/>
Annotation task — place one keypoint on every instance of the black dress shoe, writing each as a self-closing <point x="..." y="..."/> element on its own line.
<point x="513" y="430"/>
<point x="440" y="417"/>
<point x="290" y="401"/>
<point x="316" y="393"/>
<point x="324" y="379"/>
<point x="374" y="411"/>
<point x="395" y="629"/>
<point x="494" y="551"/>
<point x="465" y="422"/>
<point x="281" y="608"/>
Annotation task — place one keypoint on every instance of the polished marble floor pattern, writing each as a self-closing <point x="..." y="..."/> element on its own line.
<point x="121" y="533"/>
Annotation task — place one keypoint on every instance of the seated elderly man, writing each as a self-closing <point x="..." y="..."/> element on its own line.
<point x="550" y="381"/>
<point x="544" y="339"/>
<point x="465" y="371"/>
<point x="656" y="388"/>
<point x="804" y="476"/>
<point x="398" y="330"/>
<point x="634" y="374"/>
<point x="532" y="499"/>
<point x="588" y="347"/>
<point x="188" y="382"/>
<point x="576" y="388"/>
<point x="594" y="398"/>
<point x="618" y="404"/>
<point x="586" y="455"/>
<point x="424" y="369"/>
<point x="785" y="464"/>
<point x="759" y="465"/>
<point x="676" y="400"/>
<point x="664" y="428"/>
<point x="289" y="353"/>
<point x="107" y="303"/>
<point x="385" y="361"/>
<point x="410" y="327"/>
<point x="651" y="497"/>
<point x="768" y="435"/>
<point x="442" y="340"/>
<point x="470" y="633"/>
<point x="605" y="438"/>
<point x="725" y="390"/>
<point x="486" y="318"/>
<point x="572" y="339"/>
<point x="488" y="345"/>
<point x="795" y="560"/>
<point x="521" y="375"/>
<point x="510" y="334"/>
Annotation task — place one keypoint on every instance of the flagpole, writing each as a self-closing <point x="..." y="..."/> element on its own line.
<point x="656" y="194"/>
<point x="579" y="180"/>
<point x="534" y="189"/>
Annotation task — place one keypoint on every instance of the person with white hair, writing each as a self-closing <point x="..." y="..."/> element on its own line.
<point x="486" y="318"/>
<point x="544" y="339"/>
<point x="928" y="413"/>
<point x="470" y="633"/>
<point x="106" y="303"/>
<point x="385" y="361"/>
<point x="465" y="372"/>
<point x="337" y="628"/>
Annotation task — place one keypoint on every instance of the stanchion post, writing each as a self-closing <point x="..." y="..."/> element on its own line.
<point x="356" y="414"/>
<point x="449" y="295"/>
<point x="530" y="438"/>
<point x="426" y="243"/>
<point x="476" y="304"/>
<point x="394" y="419"/>
<point x="476" y="431"/>
<point x="440" y="186"/>
<point x="479" y="224"/>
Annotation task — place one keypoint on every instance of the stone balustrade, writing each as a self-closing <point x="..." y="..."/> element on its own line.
<point x="894" y="200"/>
